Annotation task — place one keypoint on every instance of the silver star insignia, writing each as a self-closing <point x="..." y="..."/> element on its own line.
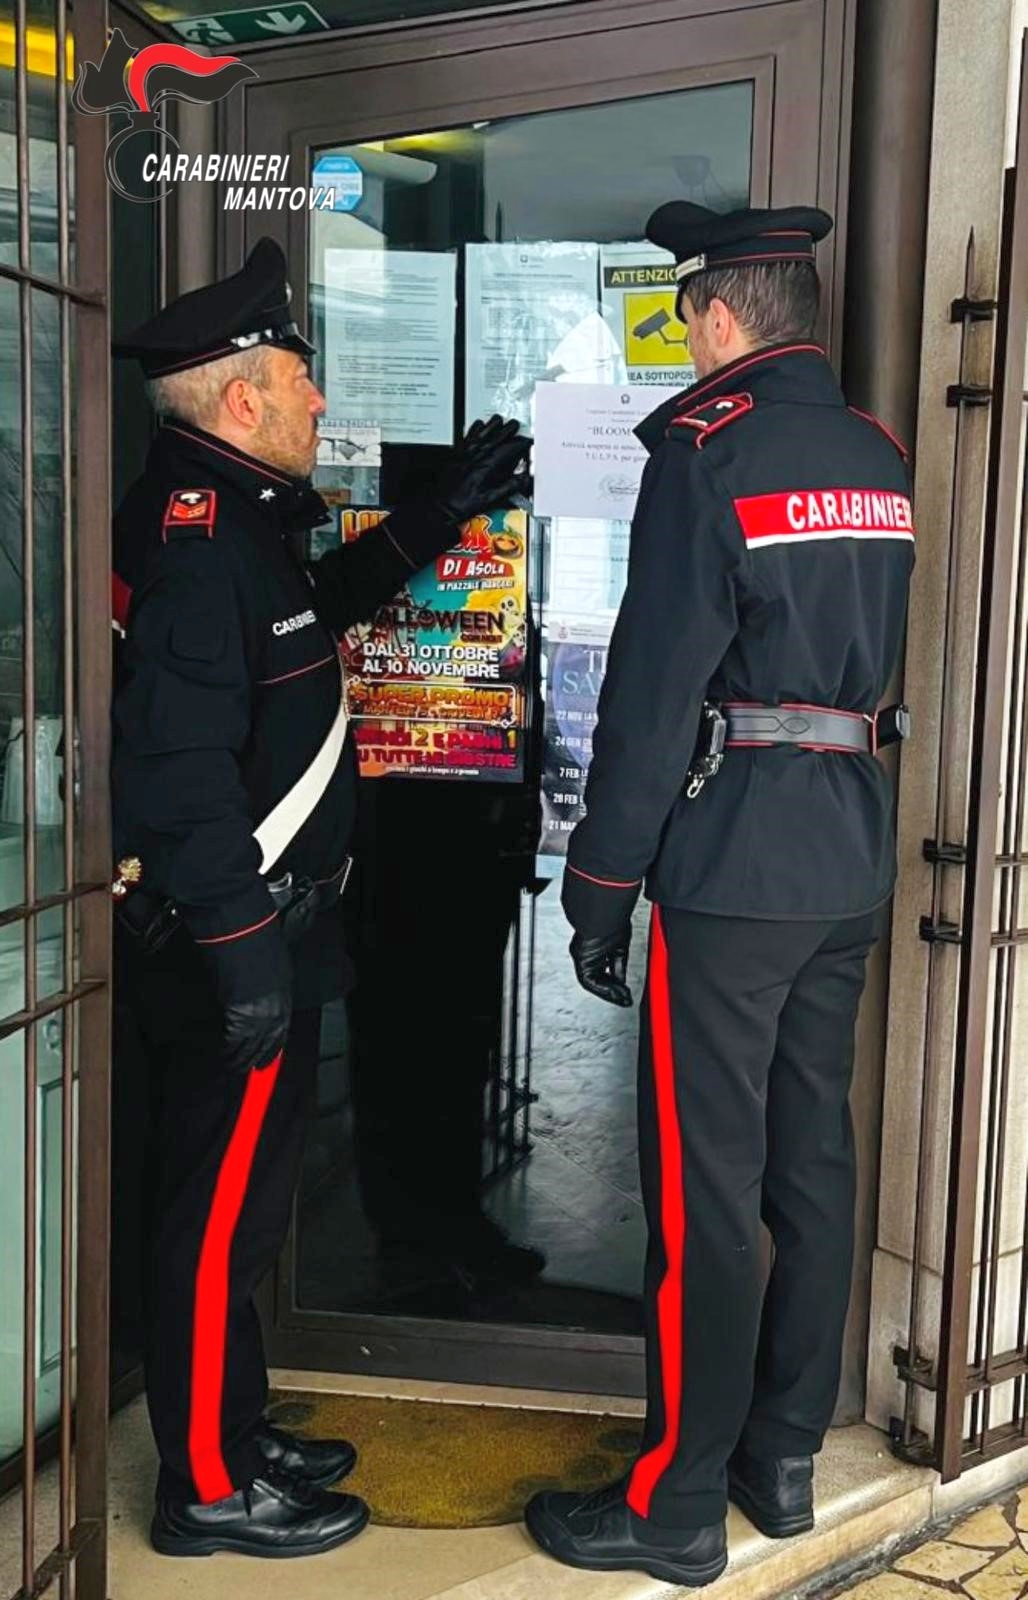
<point x="267" y="494"/>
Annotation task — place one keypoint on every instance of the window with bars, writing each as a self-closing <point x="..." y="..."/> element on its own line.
<point x="54" y="836"/>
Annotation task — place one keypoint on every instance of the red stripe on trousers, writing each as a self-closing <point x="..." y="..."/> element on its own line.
<point x="210" y="1304"/>
<point x="649" y="1469"/>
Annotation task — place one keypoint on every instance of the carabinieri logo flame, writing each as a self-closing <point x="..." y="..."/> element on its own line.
<point x="138" y="83"/>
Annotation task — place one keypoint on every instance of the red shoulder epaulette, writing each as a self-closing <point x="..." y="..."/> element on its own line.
<point x="189" y="513"/>
<point x="876" y="422"/>
<point x="700" y="421"/>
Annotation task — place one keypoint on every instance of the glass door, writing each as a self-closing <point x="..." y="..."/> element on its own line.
<point x="473" y="263"/>
<point x="470" y="1204"/>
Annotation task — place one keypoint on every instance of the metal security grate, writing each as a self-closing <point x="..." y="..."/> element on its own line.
<point x="54" y="898"/>
<point x="980" y="1376"/>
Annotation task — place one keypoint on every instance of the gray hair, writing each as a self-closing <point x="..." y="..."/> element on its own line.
<point x="773" y="301"/>
<point x="194" y="396"/>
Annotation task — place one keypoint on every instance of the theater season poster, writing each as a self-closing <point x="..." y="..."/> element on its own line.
<point x="437" y="679"/>
<point x="574" y="663"/>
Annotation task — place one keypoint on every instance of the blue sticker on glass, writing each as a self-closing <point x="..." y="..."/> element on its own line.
<point x="344" y="177"/>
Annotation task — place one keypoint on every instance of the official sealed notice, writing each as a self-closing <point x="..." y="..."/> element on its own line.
<point x="588" y="461"/>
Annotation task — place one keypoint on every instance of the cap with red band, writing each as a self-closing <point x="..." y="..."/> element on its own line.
<point x="701" y="239"/>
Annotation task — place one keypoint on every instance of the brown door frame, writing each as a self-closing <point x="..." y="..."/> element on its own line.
<point x="416" y="80"/>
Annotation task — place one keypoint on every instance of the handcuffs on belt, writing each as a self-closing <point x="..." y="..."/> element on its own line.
<point x="710" y="749"/>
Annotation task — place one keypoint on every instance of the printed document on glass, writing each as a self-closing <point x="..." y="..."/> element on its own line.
<point x="587" y="461"/>
<point x="532" y="312"/>
<point x="390" y="321"/>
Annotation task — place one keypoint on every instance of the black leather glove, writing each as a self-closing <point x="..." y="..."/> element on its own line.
<point x="253" y="981"/>
<point x="256" y="1031"/>
<point x="601" y="965"/>
<point x="487" y="469"/>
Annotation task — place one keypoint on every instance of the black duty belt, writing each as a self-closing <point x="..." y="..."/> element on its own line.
<point x="814" y="727"/>
<point x="298" y="901"/>
<point x="740" y="725"/>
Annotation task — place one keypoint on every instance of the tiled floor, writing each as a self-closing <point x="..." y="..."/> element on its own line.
<point x="980" y="1557"/>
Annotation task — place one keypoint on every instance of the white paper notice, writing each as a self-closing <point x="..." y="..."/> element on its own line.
<point x="587" y="460"/>
<point x="588" y="568"/>
<point x="390" y="322"/>
<point x="533" y="311"/>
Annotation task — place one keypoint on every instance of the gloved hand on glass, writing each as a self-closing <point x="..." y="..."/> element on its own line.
<point x="487" y="469"/>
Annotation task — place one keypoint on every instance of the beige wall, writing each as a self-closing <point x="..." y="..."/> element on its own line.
<point x="1019" y="21"/>
<point x="971" y="122"/>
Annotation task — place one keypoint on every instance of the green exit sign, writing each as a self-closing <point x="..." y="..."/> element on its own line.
<point x="243" y="27"/>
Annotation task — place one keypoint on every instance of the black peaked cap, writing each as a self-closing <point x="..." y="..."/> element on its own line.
<point x="249" y="308"/>
<point x="700" y="239"/>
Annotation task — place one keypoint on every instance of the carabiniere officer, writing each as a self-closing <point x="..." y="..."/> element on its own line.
<point x="734" y="770"/>
<point x="234" y="796"/>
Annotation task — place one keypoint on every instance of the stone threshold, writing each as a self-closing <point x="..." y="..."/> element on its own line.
<point x="867" y="1503"/>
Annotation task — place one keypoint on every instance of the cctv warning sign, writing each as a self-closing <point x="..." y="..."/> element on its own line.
<point x="639" y="293"/>
<point x="653" y="335"/>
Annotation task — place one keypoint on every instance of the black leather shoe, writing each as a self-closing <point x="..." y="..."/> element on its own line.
<point x="776" y="1493"/>
<point x="319" y="1461"/>
<point x="276" y="1516"/>
<point x="600" y="1531"/>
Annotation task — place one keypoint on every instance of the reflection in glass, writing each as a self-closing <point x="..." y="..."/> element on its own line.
<point x="42" y="88"/>
<point x="41" y="51"/>
<point x="12" y="870"/>
<point x="48" y="1233"/>
<point x="12" y="1265"/>
<point x="48" y="556"/>
<point x="49" y="1159"/>
<point x="421" y="1193"/>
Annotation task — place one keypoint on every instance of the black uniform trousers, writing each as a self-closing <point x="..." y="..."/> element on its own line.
<point x="746" y="1057"/>
<point x="223" y="1161"/>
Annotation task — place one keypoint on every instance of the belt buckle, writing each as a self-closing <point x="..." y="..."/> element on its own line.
<point x="872" y="722"/>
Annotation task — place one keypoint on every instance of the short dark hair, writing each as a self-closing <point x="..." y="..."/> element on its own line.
<point x="774" y="302"/>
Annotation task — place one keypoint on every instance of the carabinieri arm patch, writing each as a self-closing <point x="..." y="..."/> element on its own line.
<point x="189" y="509"/>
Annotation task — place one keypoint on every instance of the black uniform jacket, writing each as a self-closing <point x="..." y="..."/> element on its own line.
<point x="770" y="560"/>
<point x="230" y="678"/>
